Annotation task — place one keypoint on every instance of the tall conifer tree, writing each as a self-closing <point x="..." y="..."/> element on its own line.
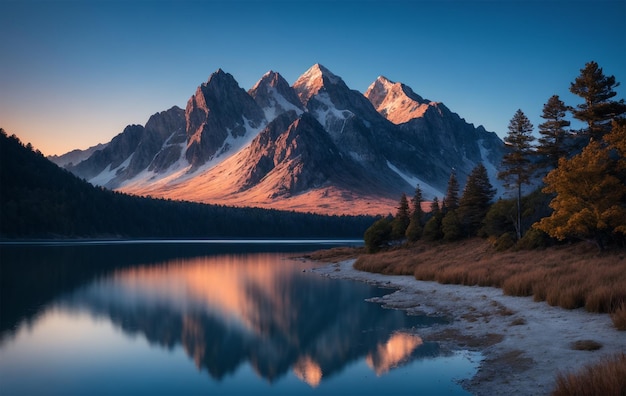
<point x="599" y="109"/>
<point x="451" y="200"/>
<point x="553" y="132"/>
<point x="476" y="200"/>
<point x="432" y="228"/>
<point x="416" y="225"/>
<point x="402" y="219"/>
<point x="516" y="170"/>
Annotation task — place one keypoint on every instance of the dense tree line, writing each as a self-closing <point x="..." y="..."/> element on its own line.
<point x="583" y="196"/>
<point x="40" y="200"/>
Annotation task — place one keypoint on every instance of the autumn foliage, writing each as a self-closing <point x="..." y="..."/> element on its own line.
<point x="589" y="201"/>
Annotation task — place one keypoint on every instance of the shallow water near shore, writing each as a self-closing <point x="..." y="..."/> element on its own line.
<point x="199" y="317"/>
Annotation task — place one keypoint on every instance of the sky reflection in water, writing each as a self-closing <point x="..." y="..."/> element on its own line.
<point x="225" y="323"/>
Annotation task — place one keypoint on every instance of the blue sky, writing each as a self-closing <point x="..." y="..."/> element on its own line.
<point x="75" y="73"/>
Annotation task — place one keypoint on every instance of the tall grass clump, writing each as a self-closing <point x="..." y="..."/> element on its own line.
<point x="619" y="317"/>
<point x="605" y="378"/>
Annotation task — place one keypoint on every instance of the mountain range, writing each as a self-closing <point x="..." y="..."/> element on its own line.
<point x="314" y="146"/>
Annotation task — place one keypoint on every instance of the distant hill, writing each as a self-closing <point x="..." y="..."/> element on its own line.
<point x="40" y="200"/>
<point x="75" y="156"/>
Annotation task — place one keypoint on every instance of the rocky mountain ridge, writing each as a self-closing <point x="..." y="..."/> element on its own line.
<point x="315" y="146"/>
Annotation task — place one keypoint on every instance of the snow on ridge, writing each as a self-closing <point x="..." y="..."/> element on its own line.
<point x="146" y="177"/>
<point x="331" y="115"/>
<point x="318" y="71"/>
<point x="279" y="106"/>
<point x="428" y="191"/>
<point x="109" y="174"/>
<point x="492" y="171"/>
<point x="312" y="81"/>
<point x="180" y="170"/>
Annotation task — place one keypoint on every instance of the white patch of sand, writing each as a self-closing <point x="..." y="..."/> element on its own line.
<point x="524" y="343"/>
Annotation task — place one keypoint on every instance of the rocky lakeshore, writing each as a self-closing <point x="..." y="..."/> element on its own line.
<point x="524" y="344"/>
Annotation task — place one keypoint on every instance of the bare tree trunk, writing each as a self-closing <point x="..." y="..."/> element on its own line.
<point x="519" y="211"/>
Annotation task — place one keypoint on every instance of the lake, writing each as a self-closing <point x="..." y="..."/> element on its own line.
<point x="205" y="317"/>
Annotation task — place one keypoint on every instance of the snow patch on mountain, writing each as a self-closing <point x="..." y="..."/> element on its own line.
<point x="428" y="191"/>
<point x="179" y="170"/>
<point x="279" y="105"/>
<point x="492" y="171"/>
<point x="312" y="82"/>
<point x="234" y="143"/>
<point x="182" y="170"/>
<point x="109" y="174"/>
<point x="333" y="119"/>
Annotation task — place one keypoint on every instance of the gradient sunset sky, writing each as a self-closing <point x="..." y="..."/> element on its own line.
<point x="75" y="73"/>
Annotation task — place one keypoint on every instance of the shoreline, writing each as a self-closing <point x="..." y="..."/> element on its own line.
<point x="524" y="343"/>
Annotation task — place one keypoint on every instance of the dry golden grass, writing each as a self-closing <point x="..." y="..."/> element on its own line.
<point x="586" y="345"/>
<point x="571" y="277"/>
<point x="335" y="255"/>
<point x="605" y="378"/>
<point x="619" y="317"/>
<point x="567" y="276"/>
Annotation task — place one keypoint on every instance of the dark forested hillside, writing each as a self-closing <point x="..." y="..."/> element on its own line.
<point x="40" y="200"/>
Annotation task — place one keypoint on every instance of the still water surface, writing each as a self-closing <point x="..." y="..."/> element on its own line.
<point x="204" y="318"/>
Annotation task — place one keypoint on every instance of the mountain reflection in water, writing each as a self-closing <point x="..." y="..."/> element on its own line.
<point x="261" y="309"/>
<point x="225" y="310"/>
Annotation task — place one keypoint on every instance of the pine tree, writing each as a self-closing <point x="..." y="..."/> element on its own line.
<point x="476" y="200"/>
<point x="416" y="225"/>
<point x="451" y="226"/>
<point x="516" y="162"/>
<point x="553" y="133"/>
<point x="432" y="228"/>
<point x="451" y="200"/>
<point x="435" y="209"/>
<point x="598" y="110"/>
<point x="402" y="219"/>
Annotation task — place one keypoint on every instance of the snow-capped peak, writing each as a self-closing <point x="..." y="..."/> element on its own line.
<point x="270" y="78"/>
<point x="313" y="80"/>
<point x="318" y="71"/>
<point x="396" y="101"/>
<point x="274" y="95"/>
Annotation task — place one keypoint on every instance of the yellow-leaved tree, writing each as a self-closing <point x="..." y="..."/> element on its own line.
<point x="590" y="188"/>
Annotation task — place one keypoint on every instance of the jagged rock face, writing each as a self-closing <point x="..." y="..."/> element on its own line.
<point x="162" y="135"/>
<point x="136" y="149"/>
<point x="274" y="95"/>
<point x="295" y="153"/>
<point x="447" y="141"/>
<point x="347" y="116"/>
<point x="316" y="140"/>
<point x="117" y="151"/>
<point x="453" y="144"/>
<point x="219" y="109"/>
<point x="395" y="101"/>
<point x="315" y="80"/>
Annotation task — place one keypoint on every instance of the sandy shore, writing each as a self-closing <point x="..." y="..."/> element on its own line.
<point x="524" y="343"/>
